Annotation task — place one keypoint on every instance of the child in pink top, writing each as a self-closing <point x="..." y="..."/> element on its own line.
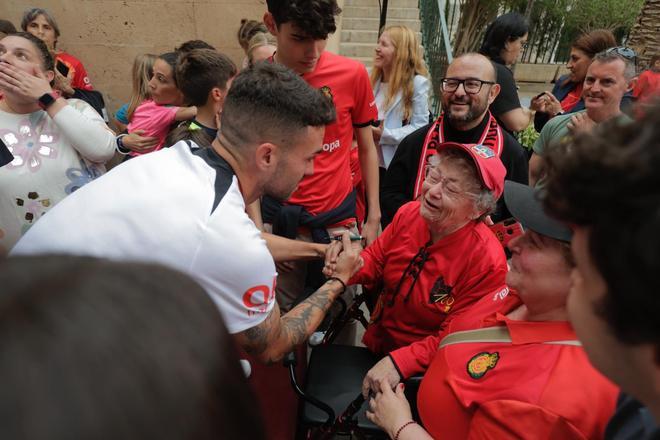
<point x="155" y="116"/>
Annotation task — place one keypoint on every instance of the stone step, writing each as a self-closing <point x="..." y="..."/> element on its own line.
<point x="370" y="24"/>
<point x="358" y="50"/>
<point x="371" y="12"/>
<point x="357" y="36"/>
<point x="390" y="4"/>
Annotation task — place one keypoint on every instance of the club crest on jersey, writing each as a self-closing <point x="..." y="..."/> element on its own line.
<point x="441" y="294"/>
<point x="327" y="92"/>
<point x="483" y="151"/>
<point x="481" y="363"/>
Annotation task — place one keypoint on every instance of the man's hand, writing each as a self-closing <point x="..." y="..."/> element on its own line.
<point x="383" y="372"/>
<point x="348" y="262"/>
<point x="136" y="142"/>
<point x="332" y="255"/>
<point x="580" y="123"/>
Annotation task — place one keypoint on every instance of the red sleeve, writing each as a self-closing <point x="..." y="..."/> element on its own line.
<point x="515" y="419"/>
<point x="374" y="258"/>
<point x="364" y="111"/>
<point x="641" y="85"/>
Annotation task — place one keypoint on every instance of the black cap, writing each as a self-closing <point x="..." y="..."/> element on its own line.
<point x="525" y="205"/>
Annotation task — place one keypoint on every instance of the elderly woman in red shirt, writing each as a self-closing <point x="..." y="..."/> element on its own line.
<point x="437" y="257"/>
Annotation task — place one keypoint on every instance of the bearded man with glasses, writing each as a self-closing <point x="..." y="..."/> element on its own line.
<point x="467" y="91"/>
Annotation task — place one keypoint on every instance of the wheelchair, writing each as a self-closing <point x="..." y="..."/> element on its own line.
<point x="332" y="403"/>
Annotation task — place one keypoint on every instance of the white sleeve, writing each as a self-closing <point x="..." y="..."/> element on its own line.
<point x="420" y="113"/>
<point x="86" y="131"/>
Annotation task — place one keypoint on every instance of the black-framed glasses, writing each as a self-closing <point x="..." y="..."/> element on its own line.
<point x="471" y="86"/>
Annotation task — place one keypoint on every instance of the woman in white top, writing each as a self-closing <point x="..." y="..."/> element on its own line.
<point x="57" y="145"/>
<point x="401" y="88"/>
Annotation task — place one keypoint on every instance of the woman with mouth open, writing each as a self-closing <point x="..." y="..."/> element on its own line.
<point x="437" y="257"/>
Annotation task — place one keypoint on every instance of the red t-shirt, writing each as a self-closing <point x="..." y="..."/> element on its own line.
<point x="347" y="82"/>
<point x="648" y="86"/>
<point x="77" y="71"/>
<point x="460" y="269"/>
<point x="521" y="389"/>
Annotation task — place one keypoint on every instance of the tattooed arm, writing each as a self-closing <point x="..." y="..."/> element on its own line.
<point x="278" y="335"/>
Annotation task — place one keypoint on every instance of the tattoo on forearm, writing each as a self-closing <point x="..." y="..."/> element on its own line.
<point x="297" y="324"/>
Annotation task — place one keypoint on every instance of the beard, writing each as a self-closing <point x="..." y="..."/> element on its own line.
<point x="475" y="110"/>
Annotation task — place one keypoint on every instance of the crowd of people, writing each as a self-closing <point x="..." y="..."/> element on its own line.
<point x="244" y="201"/>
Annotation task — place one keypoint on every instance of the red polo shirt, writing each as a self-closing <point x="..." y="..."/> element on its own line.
<point x="522" y="389"/>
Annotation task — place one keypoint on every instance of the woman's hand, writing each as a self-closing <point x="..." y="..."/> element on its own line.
<point x="389" y="409"/>
<point x="23" y="84"/>
<point x="136" y="142"/>
<point x="383" y="371"/>
<point x="546" y="103"/>
<point x="377" y="132"/>
<point x="63" y="84"/>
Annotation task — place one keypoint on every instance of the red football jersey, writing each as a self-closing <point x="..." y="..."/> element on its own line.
<point x="346" y="82"/>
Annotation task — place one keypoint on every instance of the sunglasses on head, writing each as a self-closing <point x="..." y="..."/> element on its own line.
<point x="623" y="51"/>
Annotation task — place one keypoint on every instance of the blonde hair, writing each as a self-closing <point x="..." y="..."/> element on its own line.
<point x="247" y="30"/>
<point x="407" y="63"/>
<point x="259" y="39"/>
<point x="143" y="70"/>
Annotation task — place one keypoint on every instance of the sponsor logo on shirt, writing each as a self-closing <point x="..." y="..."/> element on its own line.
<point x="258" y="298"/>
<point x="500" y="295"/>
<point x="331" y="146"/>
<point x="480" y="363"/>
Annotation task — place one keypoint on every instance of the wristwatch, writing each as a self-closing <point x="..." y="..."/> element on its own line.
<point x="46" y="100"/>
<point x="120" y="145"/>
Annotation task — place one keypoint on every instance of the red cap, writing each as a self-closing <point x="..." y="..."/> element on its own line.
<point x="491" y="169"/>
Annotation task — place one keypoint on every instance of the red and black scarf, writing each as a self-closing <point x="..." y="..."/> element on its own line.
<point x="491" y="137"/>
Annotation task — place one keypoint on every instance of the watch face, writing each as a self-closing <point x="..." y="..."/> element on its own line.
<point x="46" y="100"/>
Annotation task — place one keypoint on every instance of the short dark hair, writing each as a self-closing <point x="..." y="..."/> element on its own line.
<point x="46" y="57"/>
<point x="199" y="71"/>
<point x="7" y="27"/>
<point x="192" y="45"/>
<point x="31" y="14"/>
<point x="507" y="27"/>
<point x="270" y="103"/>
<point x="316" y="18"/>
<point x="171" y="59"/>
<point x="608" y="182"/>
<point x="96" y="349"/>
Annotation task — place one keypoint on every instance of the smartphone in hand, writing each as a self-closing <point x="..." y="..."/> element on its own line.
<point x="62" y="68"/>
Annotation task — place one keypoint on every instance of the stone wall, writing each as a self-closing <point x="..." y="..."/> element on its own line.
<point x="106" y="35"/>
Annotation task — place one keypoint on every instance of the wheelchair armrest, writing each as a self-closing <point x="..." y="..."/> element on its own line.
<point x="290" y="362"/>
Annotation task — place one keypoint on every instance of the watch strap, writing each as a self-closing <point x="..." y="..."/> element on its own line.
<point x="46" y="100"/>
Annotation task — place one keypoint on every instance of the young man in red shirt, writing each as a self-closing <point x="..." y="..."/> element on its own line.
<point x="324" y="202"/>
